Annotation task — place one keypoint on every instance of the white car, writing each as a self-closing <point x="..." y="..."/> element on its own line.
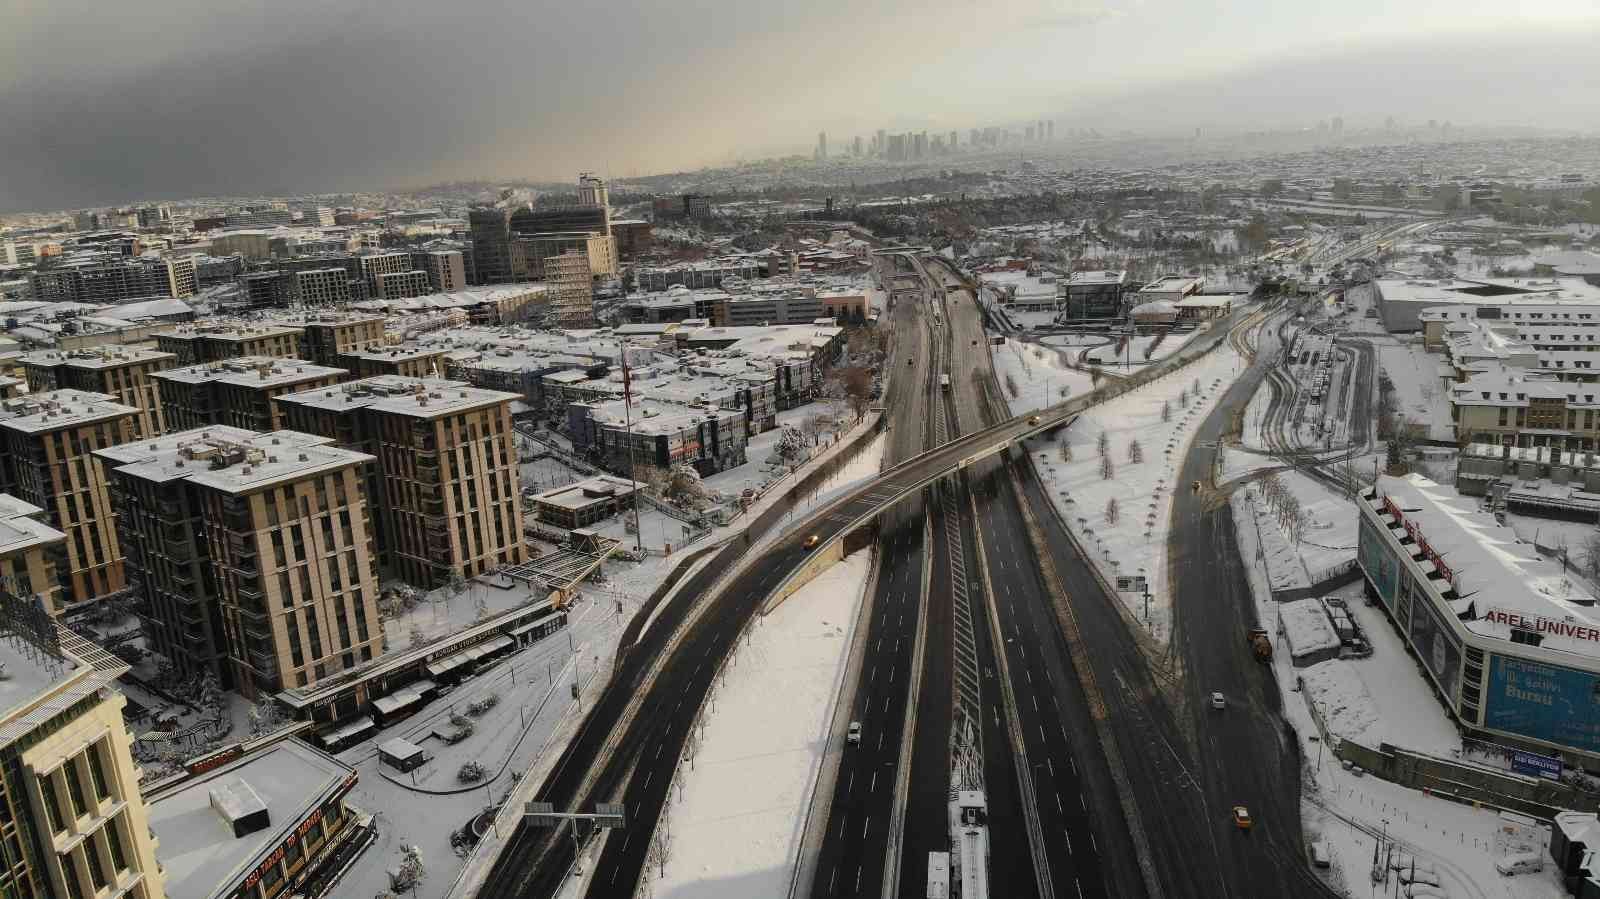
<point x="853" y="735"/>
<point x="1218" y="702"/>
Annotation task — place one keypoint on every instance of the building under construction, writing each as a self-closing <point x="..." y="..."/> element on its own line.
<point x="572" y="290"/>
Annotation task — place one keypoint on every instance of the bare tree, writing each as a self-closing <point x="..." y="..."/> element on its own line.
<point x="1011" y="386"/>
<point x="811" y="427"/>
<point x="1166" y="411"/>
<point x="1135" y="452"/>
<point x="1183" y="399"/>
<point x="1066" y="449"/>
<point x="858" y="389"/>
<point x="1589" y="555"/>
<point x="1107" y="469"/>
<point x="1113" y="510"/>
<point x="1103" y="444"/>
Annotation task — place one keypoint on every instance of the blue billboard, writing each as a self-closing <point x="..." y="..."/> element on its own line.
<point x="1380" y="564"/>
<point x="1545" y="702"/>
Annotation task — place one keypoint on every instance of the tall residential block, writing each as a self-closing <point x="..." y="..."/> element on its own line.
<point x="572" y="282"/>
<point x="446" y="480"/>
<point x="213" y="341"/>
<point x="48" y="440"/>
<point x="125" y="373"/>
<point x="446" y="269"/>
<point x="400" y="285"/>
<point x="329" y="335"/>
<point x="374" y="265"/>
<point x="31" y="552"/>
<point x="253" y="553"/>
<point x="491" y="244"/>
<point x="322" y="287"/>
<point x="112" y="279"/>
<point x="72" y="820"/>
<point x="236" y="391"/>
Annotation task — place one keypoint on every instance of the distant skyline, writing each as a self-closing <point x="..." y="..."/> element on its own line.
<point x="105" y="104"/>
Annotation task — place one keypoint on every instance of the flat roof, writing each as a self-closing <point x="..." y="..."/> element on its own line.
<point x="201" y="855"/>
<point x="234" y="331"/>
<point x="255" y="459"/>
<point x="1488" y="291"/>
<point x="1493" y="569"/>
<point x="52" y="410"/>
<point x="39" y="689"/>
<point x="252" y="371"/>
<point x="586" y="492"/>
<point x="19" y="530"/>
<point x="400" y="395"/>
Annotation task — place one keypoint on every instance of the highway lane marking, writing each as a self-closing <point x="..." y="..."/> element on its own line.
<point x="1074" y="766"/>
<point x="852" y="783"/>
<point x="880" y="741"/>
<point x="1065" y="834"/>
<point x="858" y="878"/>
<point x="842" y="822"/>
<point x="864" y="825"/>
<point x="872" y="787"/>
<point x="1035" y="699"/>
<point x="1081" y="803"/>
<point x="831" y="876"/>
<point x="891" y="674"/>
<point x="879" y="646"/>
<point x="1052" y="766"/>
<point x="659" y="747"/>
<point x="1030" y="682"/>
<point x="886" y="705"/>
<point x="1059" y="809"/>
<point x="1042" y="737"/>
<point x="1092" y="844"/>
<point x="873" y="674"/>
<point x="1079" y="885"/>
<point x="647" y="776"/>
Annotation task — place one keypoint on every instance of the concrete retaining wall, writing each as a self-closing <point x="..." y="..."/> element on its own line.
<point x="1471" y="784"/>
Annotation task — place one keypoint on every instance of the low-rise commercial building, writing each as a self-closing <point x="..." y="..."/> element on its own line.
<point x="72" y="819"/>
<point x="261" y="824"/>
<point x="1401" y="302"/>
<point x="1092" y="295"/>
<point x="1509" y="642"/>
<point x="584" y="503"/>
<point x="659" y="436"/>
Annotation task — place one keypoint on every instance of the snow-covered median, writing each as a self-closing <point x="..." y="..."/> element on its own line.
<point x="737" y="827"/>
<point x="1146" y="434"/>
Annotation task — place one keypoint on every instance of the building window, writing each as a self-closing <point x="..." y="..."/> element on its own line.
<point x="119" y="858"/>
<point x="69" y="874"/>
<point x="52" y="807"/>
<point x="97" y="866"/>
<point x="97" y="772"/>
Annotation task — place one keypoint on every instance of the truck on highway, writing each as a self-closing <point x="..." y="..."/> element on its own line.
<point x="1257" y="638"/>
<point x="944" y="383"/>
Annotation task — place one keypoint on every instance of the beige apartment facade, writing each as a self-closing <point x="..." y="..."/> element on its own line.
<point x="72" y="820"/>
<point x="125" y="373"/>
<point x="49" y="440"/>
<point x="287" y="552"/>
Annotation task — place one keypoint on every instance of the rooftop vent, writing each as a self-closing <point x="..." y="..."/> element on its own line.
<point x="239" y="806"/>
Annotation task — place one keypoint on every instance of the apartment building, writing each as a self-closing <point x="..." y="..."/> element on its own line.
<point x="48" y="440"/>
<point x="214" y="341"/>
<point x="446" y="269"/>
<point x="268" y="290"/>
<point x="399" y="285"/>
<point x="446" y="478"/>
<point x="237" y="391"/>
<point x="254" y="552"/>
<point x="405" y="360"/>
<point x="125" y="373"/>
<point x="100" y="279"/>
<point x="72" y="820"/>
<point x="31" y="552"/>
<point x="329" y="335"/>
<point x="322" y="287"/>
<point x="660" y="436"/>
<point x="572" y="304"/>
<point x="1402" y="302"/>
<point x="375" y="264"/>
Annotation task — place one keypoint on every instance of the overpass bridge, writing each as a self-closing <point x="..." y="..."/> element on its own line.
<point x="664" y="678"/>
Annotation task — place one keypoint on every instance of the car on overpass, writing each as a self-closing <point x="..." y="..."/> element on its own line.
<point x="1241" y="818"/>
<point x="812" y="541"/>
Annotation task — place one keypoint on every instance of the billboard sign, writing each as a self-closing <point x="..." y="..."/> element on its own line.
<point x="1535" y="765"/>
<point x="1381" y="566"/>
<point x="1435" y="644"/>
<point x="1544" y="702"/>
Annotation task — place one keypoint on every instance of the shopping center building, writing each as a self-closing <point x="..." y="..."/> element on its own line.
<point x="1508" y="639"/>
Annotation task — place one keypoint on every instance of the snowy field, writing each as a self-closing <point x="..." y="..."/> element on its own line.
<point x="763" y="465"/>
<point x="1040" y="373"/>
<point x="737" y="824"/>
<point x="1135" y="352"/>
<point x="1136" y="542"/>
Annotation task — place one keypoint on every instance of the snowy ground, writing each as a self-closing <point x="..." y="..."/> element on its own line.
<point x="1040" y="373"/>
<point x="547" y="474"/>
<point x="763" y="465"/>
<point x="534" y="689"/>
<point x="741" y="808"/>
<point x="1138" y="346"/>
<point x="1384" y="698"/>
<point x="1136" y="543"/>
<point x="1419" y="395"/>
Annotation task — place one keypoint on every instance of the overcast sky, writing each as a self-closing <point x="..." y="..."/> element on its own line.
<point x="103" y="103"/>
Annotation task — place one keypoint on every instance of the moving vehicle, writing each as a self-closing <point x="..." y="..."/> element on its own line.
<point x="853" y="735"/>
<point x="1033" y="420"/>
<point x="1257" y="638"/>
<point x="1218" y="701"/>
<point x="911" y="363"/>
<point x="811" y="542"/>
<point x="1195" y="486"/>
<point x="944" y="383"/>
<point x="1241" y="818"/>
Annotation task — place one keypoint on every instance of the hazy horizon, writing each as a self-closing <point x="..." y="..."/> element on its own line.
<point x="170" y="99"/>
